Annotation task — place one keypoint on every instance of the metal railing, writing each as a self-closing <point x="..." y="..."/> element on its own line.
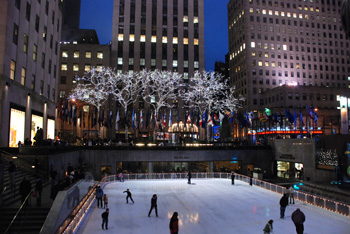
<point x="315" y="200"/>
<point x="17" y="215"/>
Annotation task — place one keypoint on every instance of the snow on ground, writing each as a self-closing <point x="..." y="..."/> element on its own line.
<point x="207" y="206"/>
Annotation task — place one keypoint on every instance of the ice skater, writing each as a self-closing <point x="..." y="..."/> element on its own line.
<point x="298" y="218"/>
<point x="283" y="205"/>
<point x="291" y="194"/>
<point x="153" y="205"/>
<point x="105" y="201"/>
<point x="268" y="227"/>
<point x="189" y="176"/>
<point x="174" y="224"/>
<point x="233" y="177"/>
<point x="128" y="196"/>
<point x="105" y="219"/>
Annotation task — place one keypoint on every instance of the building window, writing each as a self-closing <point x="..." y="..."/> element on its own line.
<point x="25" y="43"/>
<point x="87" y="67"/>
<point x="120" y="61"/>
<point x="45" y="33"/>
<point x="41" y="87"/>
<point x="23" y="76"/>
<point x="35" y="50"/>
<point x="75" y="67"/>
<point x="28" y="11"/>
<point x="15" y="34"/>
<point x="100" y="55"/>
<point x="64" y="67"/>
<point x="76" y="54"/>
<point x="62" y="94"/>
<point x="142" y="62"/>
<point x="43" y="60"/>
<point x="37" y="22"/>
<point x="63" y="80"/>
<point x="12" y="70"/>
<point x="18" y="4"/>
<point x="99" y="68"/>
<point x="88" y="54"/>
<point x="32" y="85"/>
<point x="64" y="54"/>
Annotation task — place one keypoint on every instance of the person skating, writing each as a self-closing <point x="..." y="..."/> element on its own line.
<point x="105" y="201"/>
<point x="99" y="195"/>
<point x="291" y="194"/>
<point x="153" y="205"/>
<point x="174" y="224"/>
<point x="232" y="177"/>
<point x="128" y="196"/>
<point x="298" y="218"/>
<point x="283" y="204"/>
<point x="189" y="176"/>
<point x="268" y="227"/>
<point x="105" y="219"/>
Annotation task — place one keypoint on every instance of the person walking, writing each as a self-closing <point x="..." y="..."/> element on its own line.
<point x="24" y="189"/>
<point x="268" y="227"/>
<point x="105" y="219"/>
<point x="232" y="178"/>
<point x="189" y="176"/>
<point x="153" y="205"/>
<point x="291" y="194"/>
<point x="283" y="205"/>
<point x="298" y="218"/>
<point x="105" y="201"/>
<point x="129" y="195"/>
<point x="174" y="224"/>
<point x="99" y="195"/>
<point x="38" y="190"/>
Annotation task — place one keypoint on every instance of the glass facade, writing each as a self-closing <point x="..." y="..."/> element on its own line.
<point x="17" y="120"/>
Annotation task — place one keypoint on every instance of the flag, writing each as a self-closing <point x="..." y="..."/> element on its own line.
<point x="246" y="119"/>
<point x="310" y="112"/>
<point x="204" y="119"/>
<point x="232" y="117"/>
<point x="262" y="117"/>
<point x="295" y="118"/>
<point x="110" y="121"/>
<point x="315" y="117"/>
<point x="221" y="117"/>
<point x="289" y="116"/>
<point x="164" y="119"/>
<point x="135" y="120"/>
<point x="155" y="118"/>
<point x="132" y="119"/>
<point x="170" y="119"/>
<point x="301" y="119"/>
<point x="216" y="118"/>
<point x="241" y="119"/>
<point x="188" y="118"/>
<point x="198" y="119"/>
<point x="209" y="121"/>
<point x="141" y="119"/>
<point x="117" y="121"/>
<point x="228" y="114"/>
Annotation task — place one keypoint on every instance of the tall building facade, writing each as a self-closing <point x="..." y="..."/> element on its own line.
<point x="29" y="58"/>
<point x="298" y="43"/>
<point x="158" y="34"/>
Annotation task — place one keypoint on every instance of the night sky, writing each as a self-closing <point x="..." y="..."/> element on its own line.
<point x="97" y="14"/>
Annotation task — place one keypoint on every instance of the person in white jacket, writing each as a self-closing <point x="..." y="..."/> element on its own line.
<point x="291" y="194"/>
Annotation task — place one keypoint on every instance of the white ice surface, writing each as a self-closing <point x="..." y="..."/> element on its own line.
<point x="206" y="206"/>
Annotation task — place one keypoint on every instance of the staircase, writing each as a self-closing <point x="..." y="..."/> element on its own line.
<point x="30" y="219"/>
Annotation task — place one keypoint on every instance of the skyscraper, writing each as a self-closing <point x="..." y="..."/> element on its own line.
<point x="158" y="34"/>
<point x="288" y="43"/>
<point x="29" y="47"/>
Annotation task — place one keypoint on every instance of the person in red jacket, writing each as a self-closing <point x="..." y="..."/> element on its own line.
<point x="174" y="224"/>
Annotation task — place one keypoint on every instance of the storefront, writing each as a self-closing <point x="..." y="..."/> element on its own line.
<point x="289" y="169"/>
<point x="17" y="122"/>
<point x="51" y="129"/>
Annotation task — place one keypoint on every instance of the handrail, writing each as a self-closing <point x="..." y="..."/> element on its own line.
<point x="19" y="210"/>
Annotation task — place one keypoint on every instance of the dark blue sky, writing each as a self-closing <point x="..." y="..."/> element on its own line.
<point x="98" y="15"/>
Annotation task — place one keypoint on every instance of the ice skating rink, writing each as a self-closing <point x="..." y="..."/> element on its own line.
<point x="207" y="206"/>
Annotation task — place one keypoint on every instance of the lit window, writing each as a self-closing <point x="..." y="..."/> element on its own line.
<point x="185" y="41"/>
<point x="76" y="54"/>
<point x="252" y="44"/>
<point x="164" y="62"/>
<point x="75" y="67"/>
<point x="131" y="37"/>
<point x="251" y="10"/>
<point x="25" y="43"/>
<point x="266" y="54"/>
<point x="131" y="61"/>
<point x="288" y="14"/>
<point x="253" y="53"/>
<point x="120" y="37"/>
<point x="294" y="15"/>
<point x="120" y="61"/>
<point x="195" y="20"/>
<point x="64" y="54"/>
<point x="270" y="12"/>
<point x="174" y="63"/>
<point x="64" y="67"/>
<point x="266" y="64"/>
<point x="186" y="76"/>
<point x="154" y="39"/>
<point x="260" y="63"/>
<point x="35" y="49"/>
<point x="282" y="13"/>
<point x="164" y="40"/>
<point x="153" y="62"/>
<point x="276" y="13"/>
<point x="142" y="62"/>
<point x="175" y="40"/>
<point x="100" y="55"/>
<point x="300" y="16"/>
<point x="185" y="19"/>
<point x="284" y="47"/>
<point x="99" y="68"/>
<point x="88" y="54"/>
<point x="185" y="63"/>
<point x="195" y="41"/>
<point x="264" y="12"/>
<point x="273" y="64"/>
<point x="87" y="67"/>
<point x="142" y="38"/>
<point x="196" y="64"/>
<point x="23" y="76"/>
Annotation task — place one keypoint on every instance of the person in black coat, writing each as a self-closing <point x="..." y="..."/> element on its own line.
<point x="38" y="190"/>
<point x="233" y="177"/>
<point x="128" y="196"/>
<point x="153" y="205"/>
<point x="298" y="218"/>
<point x="189" y="176"/>
<point x="105" y="219"/>
<point x="24" y="189"/>
<point x="283" y="205"/>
